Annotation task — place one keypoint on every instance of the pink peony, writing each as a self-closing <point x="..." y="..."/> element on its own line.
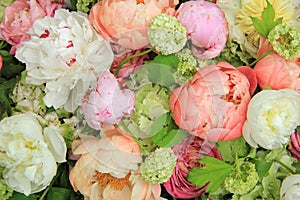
<point x="206" y="26"/>
<point x="126" y="22"/>
<point x="107" y="103"/>
<point x="294" y="145"/>
<point x="274" y="72"/>
<point x="131" y="66"/>
<point x="19" y="17"/>
<point x="188" y="153"/>
<point x="107" y="168"/>
<point x="213" y="104"/>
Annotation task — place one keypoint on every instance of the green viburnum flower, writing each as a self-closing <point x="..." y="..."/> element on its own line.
<point x="285" y="40"/>
<point x="187" y="63"/>
<point x="242" y="179"/>
<point x="5" y="191"/>
<point x="84" y="5"/>
<point x="166" y="34"/>
<point x="158" y="165"/>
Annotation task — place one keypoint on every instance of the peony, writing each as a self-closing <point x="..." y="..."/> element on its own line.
<point x="126" y="22"/>
<point x="29" y="153"/>
<point x="19" y="17"/>
<point x="272" y="117"/>
<point x="213" y="104"/>
<point x="131" y="66"/>
<point x="188" y="153"/>
<point x="290" y="188"/>
<point x="107" y="168"/>
<point x="107" y="103"/>
<point x="65" y="53"/>
<point x="274" y="72"/>
<point x="294" y="145"/>
<point x="206" y="27"/>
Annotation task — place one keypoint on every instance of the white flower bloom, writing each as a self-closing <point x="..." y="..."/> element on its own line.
<point x="65" y="53"/>
<point x="28" y="161"/>
<point x="290" y="188"/>
<point x="272" y="117"/>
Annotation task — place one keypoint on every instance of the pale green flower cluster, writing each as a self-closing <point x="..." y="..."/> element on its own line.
<point x="242" y="179"/>
<point x="84" y="5"/>
<point x="285" y="40"/>
<point x="5" y="191"/>
<point x="166" y="34"/>
<point x="3" y="4"/>
<point x="158" y="165"/>
<point x="187" y="63"/>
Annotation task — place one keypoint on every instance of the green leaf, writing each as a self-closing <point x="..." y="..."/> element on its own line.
<point x="59" y="193"/>
<point x="20" y="196"/>
<point x="262" y="167"/>
<point x="168" y="60"/>
<point x="214" y="172"/>
<point x="266" y="24"/>
<point x="298" y="129"/>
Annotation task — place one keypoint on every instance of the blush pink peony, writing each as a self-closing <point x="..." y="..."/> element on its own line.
<point x="274" y="72"/>
<point x="213" y="104"/>
<point x="107" y="103"/>
<point x="19" y="17"/>
<point x="188" y="153"/>
<point x="206" y="26"/>
<point x="126" y="22"/>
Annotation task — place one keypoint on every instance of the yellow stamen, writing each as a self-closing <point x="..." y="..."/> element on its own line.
<point x="105" y="179"/>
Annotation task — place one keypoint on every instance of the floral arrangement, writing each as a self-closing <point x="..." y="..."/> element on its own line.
<point x="149" y="99"/>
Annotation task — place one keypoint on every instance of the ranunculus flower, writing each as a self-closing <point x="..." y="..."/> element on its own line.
<point x="206" y="27"/>
<point x="107" y="168"/>
<point x="19" y="17"/>
<point x="294" y="145"/>
<point x="107" y="103"/>
<point x="131" y="66"/>
<point x="126" y="22"/>
<point x="272" y="117"/>
<point x="213" y="104"/>
<point x="29" y="153"/>
<point x="290" y="188"/>
<point x="67" y="54"/>
<point x="188" y="153"/>
<point x="274" y="72"/>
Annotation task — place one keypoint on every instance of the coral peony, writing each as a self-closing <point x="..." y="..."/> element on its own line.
<point x="188" y="153"/>
<point x="213" y="104"/>
<point x="206" y="26"/>
<point x="107" y="103"/>
<point x="126" y="22"/>
<point x="19" y="17"/>
<point x="274" y="72"/>
<point x="294" y="145"/>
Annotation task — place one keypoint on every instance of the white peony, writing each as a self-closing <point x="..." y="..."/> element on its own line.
<point x="65" y="53"/>
<point x="272" y="117"/>
<point x="290" y="188"/>
<point x="29" y="164"/>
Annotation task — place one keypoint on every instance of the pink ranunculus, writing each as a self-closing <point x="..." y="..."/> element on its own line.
<point x="274" y="72"/>
<point x="107" y="103"/>
<point x="131" y="66"/>
<point x="294" y="145"/>
<point x="206" y="26"/>
<point x="188" y="153"/>
<point x="1" y="62"/>
<point x="126" y="22"/>
<point x="19" y="17"/>
<point x="213" y="104"/>
<point x="108" y="168"/>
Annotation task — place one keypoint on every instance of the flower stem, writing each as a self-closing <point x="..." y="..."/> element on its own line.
<point x="130" y="57"/>
<point x="47" y="189"/>
<point x="285" y="166"/>
<point x="261" y="57"/>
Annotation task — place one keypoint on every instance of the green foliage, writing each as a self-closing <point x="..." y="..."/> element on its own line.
<point x="214" y="172"/>
<point x="165" y="133"/>
<point x="267" y="23"/>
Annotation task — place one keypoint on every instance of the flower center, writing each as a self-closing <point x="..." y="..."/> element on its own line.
<point x="105" y="179"/>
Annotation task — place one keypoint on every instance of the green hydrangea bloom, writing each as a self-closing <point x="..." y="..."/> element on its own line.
<point x="5" y="191"/>
<point x="158" y="165"/>
<point x="285" y="40"/>
<point x="242" y="179"/>
<point x="166" y="34"/>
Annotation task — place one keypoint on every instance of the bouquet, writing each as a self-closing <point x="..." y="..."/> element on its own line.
<point x="149" y="99"/>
